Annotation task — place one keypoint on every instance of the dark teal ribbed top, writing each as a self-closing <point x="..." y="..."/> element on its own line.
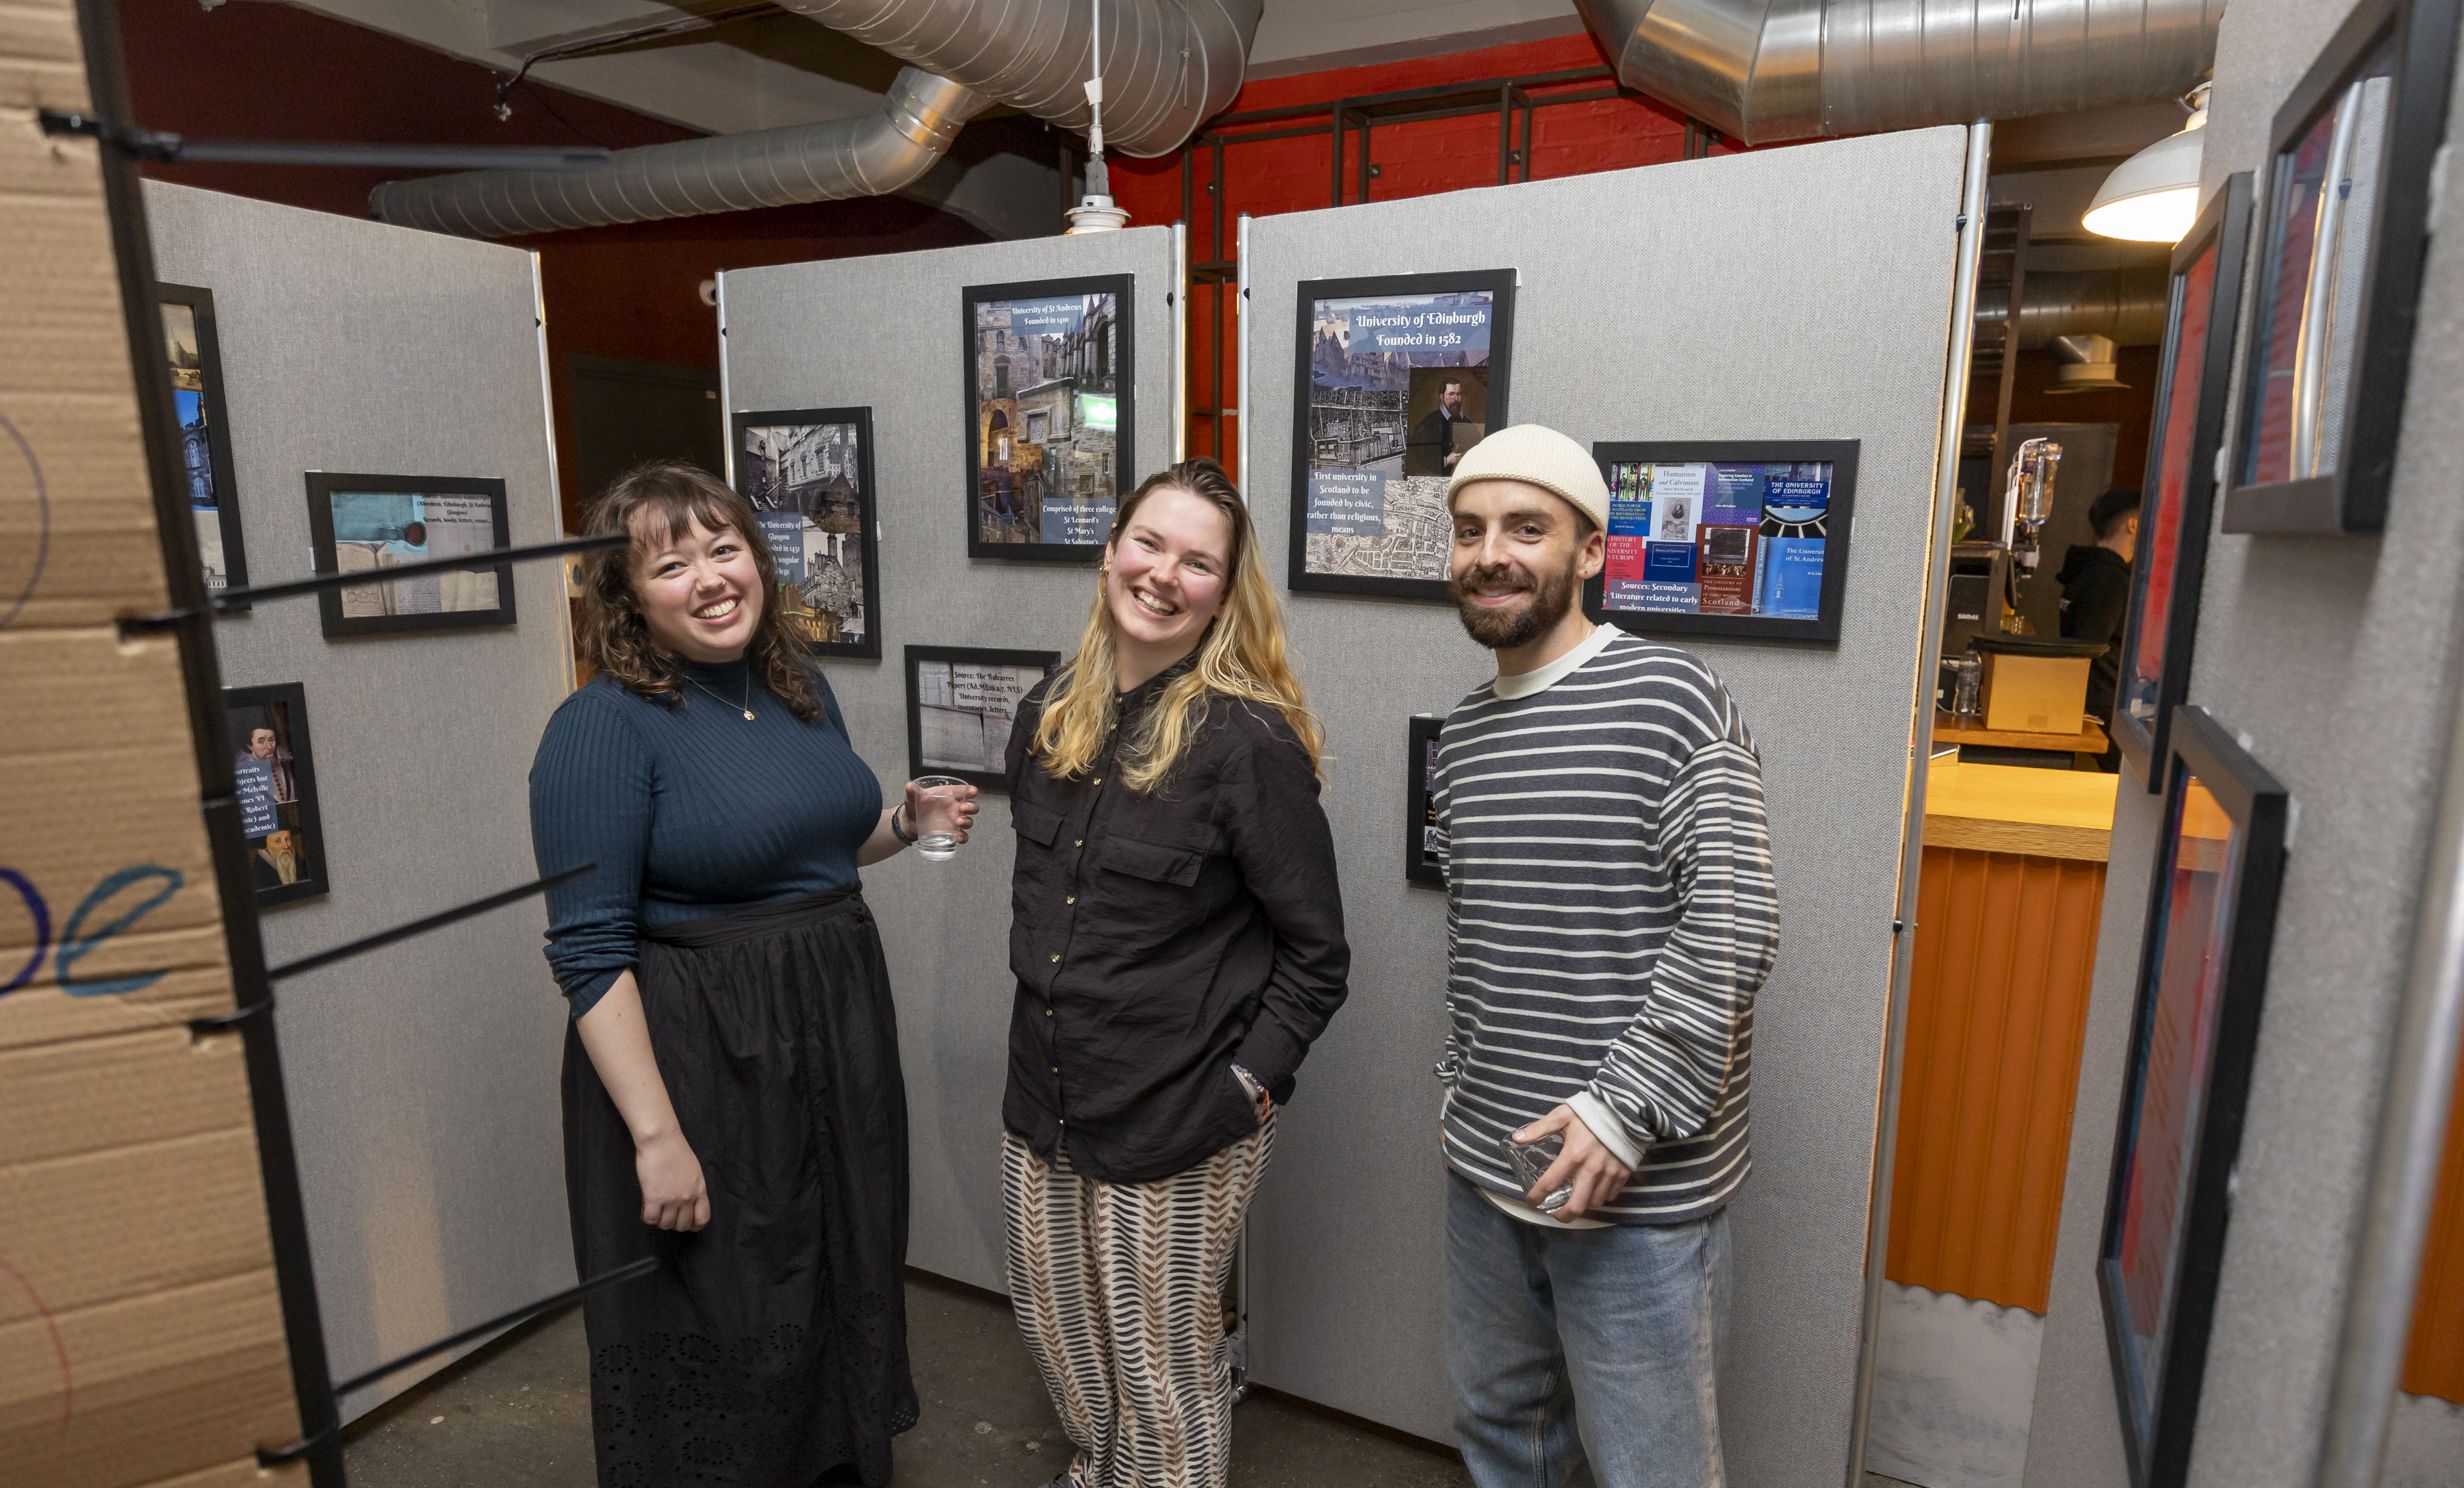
<point x="687" y="811"/>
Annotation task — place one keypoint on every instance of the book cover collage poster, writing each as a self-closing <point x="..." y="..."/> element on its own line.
<point x="1718" y="537"/>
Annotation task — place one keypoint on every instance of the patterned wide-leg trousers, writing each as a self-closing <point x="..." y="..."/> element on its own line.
<point x="1118" y="1288"/>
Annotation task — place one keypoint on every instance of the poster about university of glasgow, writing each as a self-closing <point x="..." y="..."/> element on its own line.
<point x="1718" y="537"/>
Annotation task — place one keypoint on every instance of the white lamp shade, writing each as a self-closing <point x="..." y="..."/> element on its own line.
<point x="2152" y="197"/>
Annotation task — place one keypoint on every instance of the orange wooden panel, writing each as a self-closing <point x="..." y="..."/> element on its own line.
<point x="1997" y="1006"/>
<point x="2434" y="1364"/>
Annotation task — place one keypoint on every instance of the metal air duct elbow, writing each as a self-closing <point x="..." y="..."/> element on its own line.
<point x="1169" y="65"/>
<point x="821" y="161"/>
<point x="1767" y="70"/>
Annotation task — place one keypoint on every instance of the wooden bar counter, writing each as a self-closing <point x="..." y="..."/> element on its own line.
<point x="2008" y="900"/>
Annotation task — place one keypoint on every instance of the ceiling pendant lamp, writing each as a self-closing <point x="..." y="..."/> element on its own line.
<point x="2153" y="197"/>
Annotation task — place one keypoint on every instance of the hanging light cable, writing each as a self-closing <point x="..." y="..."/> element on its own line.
<point x="1095" y="211"/>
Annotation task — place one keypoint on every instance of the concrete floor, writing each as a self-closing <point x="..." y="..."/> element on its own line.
<point x="519" y="1414"/>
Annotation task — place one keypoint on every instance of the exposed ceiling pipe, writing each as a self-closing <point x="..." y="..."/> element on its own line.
<point x="1765" y="69"/>
<point x="2126" y="306"/>
<point x="1168" y="65"/>
<point x="823" y="161"/>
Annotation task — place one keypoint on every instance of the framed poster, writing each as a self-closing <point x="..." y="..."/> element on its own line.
<point x="2202" y="979"/>
<point x="1393" y="380"/>
<point x="361" y="522"/>
<point x="2342" y="235"/>
<point x="195" y="351"/>
<point x="1420" y="862"/>
<point x="808" y="473"/>
<point x="1051" y="407"/>
<point x="1738" y="538"/>
<point x="961" y="703"/>
<point x="2163" y="622"/>
<point x="274" y="766"/>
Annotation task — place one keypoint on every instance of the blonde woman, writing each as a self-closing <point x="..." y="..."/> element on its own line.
<point x="1177" y="936"/>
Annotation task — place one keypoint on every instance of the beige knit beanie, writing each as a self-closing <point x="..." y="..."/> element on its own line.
<point x="1543" y="457"/>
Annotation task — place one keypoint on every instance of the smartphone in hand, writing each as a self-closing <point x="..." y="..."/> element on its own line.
<point x="1530" y="1161"/>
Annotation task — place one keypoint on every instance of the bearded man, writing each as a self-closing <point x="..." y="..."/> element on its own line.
<point x="1612" y="911"/>
<point x="278" y="862"/>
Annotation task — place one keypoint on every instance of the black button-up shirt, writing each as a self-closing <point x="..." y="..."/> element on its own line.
<point x="1161" y="937"/>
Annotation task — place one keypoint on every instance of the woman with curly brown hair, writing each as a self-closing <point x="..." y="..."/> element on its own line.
<point x="733" y="1101"/>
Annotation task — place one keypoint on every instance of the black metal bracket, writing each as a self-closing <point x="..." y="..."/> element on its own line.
<point x="225" y="601"/>
<point x="276" y="1456"/>
<point x="172" y="149"/>
<point x="223" y="1023"/>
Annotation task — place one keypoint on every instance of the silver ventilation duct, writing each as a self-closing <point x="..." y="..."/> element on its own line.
<point x="1168" y="66"/>
<point x="1767" y="70"/>
<point x="2126" y="306"/>
<point x="770" y="167"/>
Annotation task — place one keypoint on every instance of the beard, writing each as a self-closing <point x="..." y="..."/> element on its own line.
<point x="1506" y="629"/>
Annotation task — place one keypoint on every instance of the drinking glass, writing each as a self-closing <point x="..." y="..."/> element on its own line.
<point x="937" y="819"/>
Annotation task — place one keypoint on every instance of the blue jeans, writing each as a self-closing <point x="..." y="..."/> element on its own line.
<point x="1584" y="1358"/>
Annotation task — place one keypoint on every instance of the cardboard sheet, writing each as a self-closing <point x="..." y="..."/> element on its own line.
<point x="141" y="1340"/>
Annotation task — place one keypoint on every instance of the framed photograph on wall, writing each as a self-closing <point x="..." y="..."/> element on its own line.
<point x="1393" y="380"/>
<point x="808" y="473"/>
<point x="2202" y="979"/>
<point x="274" y="765"/>
<point x="1421" y="863"/>
<point x="961" y="703"/>
<point x="1738" y="538"/>
<point x="2202" y="310"/>
<point x="362" y="522"/>
<point x="195" y="346"/>
<point x="2342" y="236"/>
<point x="1051" y="405"/>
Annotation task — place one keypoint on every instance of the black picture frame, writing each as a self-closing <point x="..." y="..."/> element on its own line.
<point x="282" y="707"/>
<point x="1499" y="285"/>
<point x="1839" y="523"/>
<point x="2419" y="39"/>
<point x="985" y="770"/>
<point x="1121" y="367"/>
<point x="2182" y="478"/>
<point x="823" y="627"/>
<point x="1421" y="863"/>
<point x="344" y="612"/>
<point x="2224" y="890"/>
<point x="205" y="439"/>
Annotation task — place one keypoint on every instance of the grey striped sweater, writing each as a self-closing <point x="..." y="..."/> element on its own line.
<point x="1612" y="914"/>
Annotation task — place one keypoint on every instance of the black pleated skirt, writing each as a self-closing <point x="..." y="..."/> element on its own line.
<point x="770" y="1350"/>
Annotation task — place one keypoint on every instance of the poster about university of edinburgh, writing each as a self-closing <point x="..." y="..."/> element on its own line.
<point x="1399" y="378"/>
<point x="808" y="475"/>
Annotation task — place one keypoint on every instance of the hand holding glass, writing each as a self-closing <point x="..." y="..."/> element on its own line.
<point x="942" y="808"/>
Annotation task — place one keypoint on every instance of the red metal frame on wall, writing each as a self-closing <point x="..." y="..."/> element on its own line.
<point x="1349" y="125"/>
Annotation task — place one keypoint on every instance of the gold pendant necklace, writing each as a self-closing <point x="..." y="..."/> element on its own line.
<point x="746" y="705"/>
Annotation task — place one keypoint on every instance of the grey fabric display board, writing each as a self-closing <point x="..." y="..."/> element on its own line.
<point x="1797" y="293"/>
<point x="2338" y="656"/>
<point x="422" y="1077"/>
<point x="885" y="333"/>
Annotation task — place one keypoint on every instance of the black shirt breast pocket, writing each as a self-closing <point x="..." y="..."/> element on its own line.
<point x="1156" y="863"/>
<point x="1034" y="823"/>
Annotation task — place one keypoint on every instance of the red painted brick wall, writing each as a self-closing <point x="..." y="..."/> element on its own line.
<point x="1415" y="159"/>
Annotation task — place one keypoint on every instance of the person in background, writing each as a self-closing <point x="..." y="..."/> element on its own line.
<point x="1431" y="449"/>
<point x="1176" y="932"/>
<point x="2096" y="598"/>
<point x="733" y="1099"/>
<point x="1612" y="914"/>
